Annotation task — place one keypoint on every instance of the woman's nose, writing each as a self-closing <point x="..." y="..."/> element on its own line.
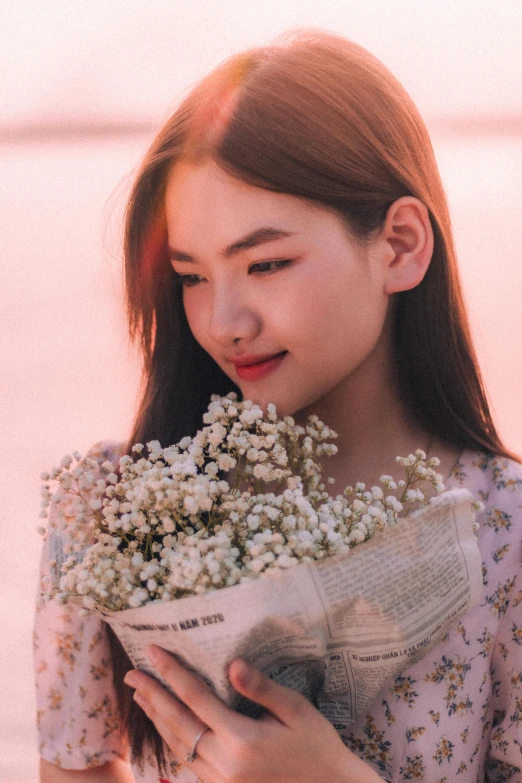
<point x="233" y="317"/>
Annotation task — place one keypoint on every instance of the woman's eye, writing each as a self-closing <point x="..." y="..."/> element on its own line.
<point x="263" y="268"/>
<point x="273" y="264"/>
<point x="188" y="280"/>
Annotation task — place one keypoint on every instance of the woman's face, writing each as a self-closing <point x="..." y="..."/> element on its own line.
<point x="299" y="286"/>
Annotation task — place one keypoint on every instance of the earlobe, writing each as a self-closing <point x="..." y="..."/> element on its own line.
<point x="408" y="241"/>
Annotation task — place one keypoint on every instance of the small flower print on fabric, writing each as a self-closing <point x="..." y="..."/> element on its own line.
<point x="501" y="477"/>
<point x="498" y="519"/>
<point x="413" y="769"/>
<point x="67" y="647"/>
<point x="499" y="600"/>
<point x="390" y="718"/>
<point x="444" y="750"/>
<point x="498" y="741"/>
<point x="516" y="716"/>
<point x="458" y="473"/>
<point x="460" y="629"/>
<point x="55" y="699"/>
<point x="403" y="689"/>
<point x="414" y="733"/>
<point x="372" y="747"/>
<point x="486" y="640"/>
<point x="482" y="461"/>
<point x="516" y="633"/>
<point x="501" y="552"/>
<point x="460" y="706"/>
<point x="452" y="672"/>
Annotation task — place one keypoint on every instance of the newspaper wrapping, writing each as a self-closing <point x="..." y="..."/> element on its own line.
<point x="336" y="630"/>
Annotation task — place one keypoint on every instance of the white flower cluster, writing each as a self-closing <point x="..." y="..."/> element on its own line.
<point x="241" y="498"/>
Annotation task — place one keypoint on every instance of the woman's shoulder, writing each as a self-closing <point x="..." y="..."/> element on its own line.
<point x="496" y="482"/>
<point x="488" y="474"/>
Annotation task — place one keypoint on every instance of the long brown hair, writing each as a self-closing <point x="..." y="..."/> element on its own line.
<point x="316" y="116"/>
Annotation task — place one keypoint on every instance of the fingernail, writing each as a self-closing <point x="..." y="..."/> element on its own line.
<point x="244" y="671"/>
<point x="131" y="678"/>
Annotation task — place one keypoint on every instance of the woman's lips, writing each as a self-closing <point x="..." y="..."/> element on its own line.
<point x="253" y="372"/>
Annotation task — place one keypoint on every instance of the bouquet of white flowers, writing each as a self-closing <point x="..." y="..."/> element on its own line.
<point x="227" y="544"/>
<point x="168" y="526"/>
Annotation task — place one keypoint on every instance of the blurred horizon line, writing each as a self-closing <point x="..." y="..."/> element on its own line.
<point x="50" y="131"/>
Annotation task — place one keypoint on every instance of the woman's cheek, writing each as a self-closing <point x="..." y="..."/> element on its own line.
<point x="196" y="314"/>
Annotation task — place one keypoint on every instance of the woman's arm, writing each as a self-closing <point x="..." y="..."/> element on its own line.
<point x="78" y="718"/>
<point x="116" y="771"/>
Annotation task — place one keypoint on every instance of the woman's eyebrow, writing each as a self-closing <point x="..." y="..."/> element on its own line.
<point x="254" y="238"/>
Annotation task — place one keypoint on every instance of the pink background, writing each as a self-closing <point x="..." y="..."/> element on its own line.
<point x="83" y="87"/>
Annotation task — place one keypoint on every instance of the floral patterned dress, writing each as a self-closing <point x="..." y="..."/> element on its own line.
<point x="455" y="716"/>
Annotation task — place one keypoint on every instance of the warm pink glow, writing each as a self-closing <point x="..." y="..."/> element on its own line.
<point x="85" y="87"/>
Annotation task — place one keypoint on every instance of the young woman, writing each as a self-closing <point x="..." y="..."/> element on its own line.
<point x="288" y="238"/>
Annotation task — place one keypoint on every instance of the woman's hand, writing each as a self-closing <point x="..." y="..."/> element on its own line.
<point x="291" y="743"/>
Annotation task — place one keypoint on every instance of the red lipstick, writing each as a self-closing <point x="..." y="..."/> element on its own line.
<point x="258" y="369"/>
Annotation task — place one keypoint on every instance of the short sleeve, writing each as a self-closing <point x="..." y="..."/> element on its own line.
<point x="504" y="758"/>
<point x="77" y="714"/>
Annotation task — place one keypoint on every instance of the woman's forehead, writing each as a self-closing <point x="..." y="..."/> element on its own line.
<point x="201" y="198"/>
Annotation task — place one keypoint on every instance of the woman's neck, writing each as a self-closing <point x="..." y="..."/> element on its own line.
<point x="373" y="427"/>
<point x="366" y="454"/>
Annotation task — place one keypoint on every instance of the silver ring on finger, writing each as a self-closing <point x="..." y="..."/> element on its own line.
<point x="192" y="755"/>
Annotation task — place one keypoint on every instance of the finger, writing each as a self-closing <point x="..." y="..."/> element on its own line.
<point x="180" y="749"/>
<point x="193" y="692"/>
<point x="286" y="704"/>
<point x="181" y="725"/>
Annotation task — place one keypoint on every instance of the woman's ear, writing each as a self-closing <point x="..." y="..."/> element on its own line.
<point x="407" y="238"/>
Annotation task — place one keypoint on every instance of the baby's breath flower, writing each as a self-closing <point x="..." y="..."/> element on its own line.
<point x="168" y="524"/>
